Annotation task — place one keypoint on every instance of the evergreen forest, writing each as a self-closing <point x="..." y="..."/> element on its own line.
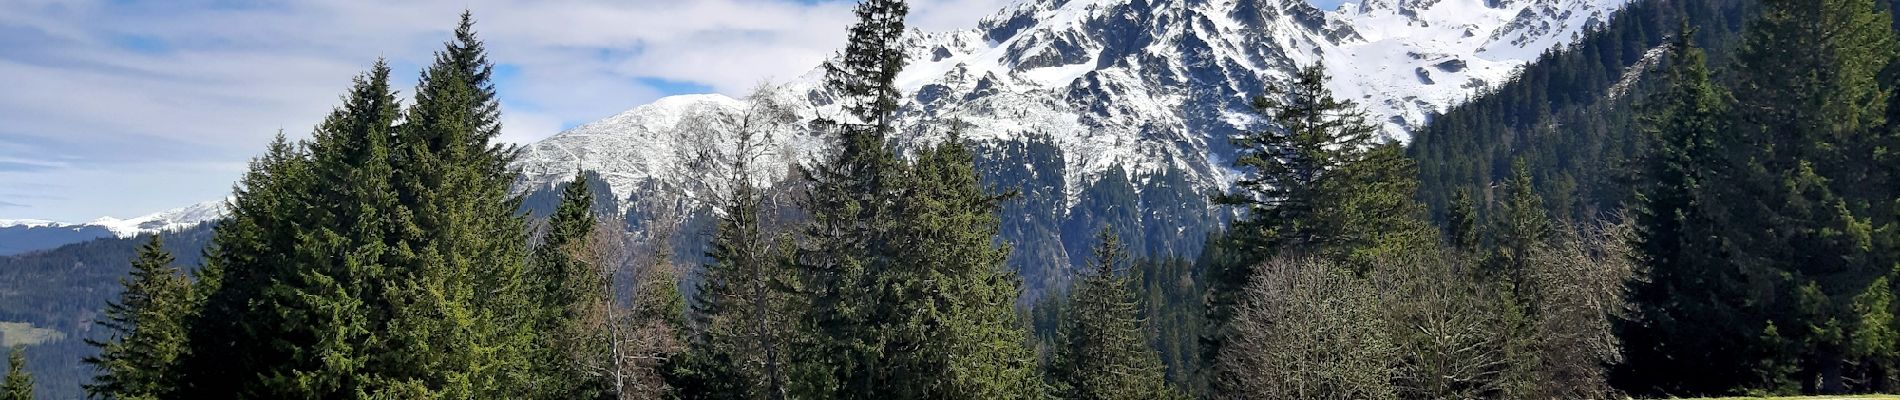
<point x="1698" y="198"/>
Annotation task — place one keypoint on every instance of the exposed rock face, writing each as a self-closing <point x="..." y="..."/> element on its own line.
<point x="1116" y="112"/>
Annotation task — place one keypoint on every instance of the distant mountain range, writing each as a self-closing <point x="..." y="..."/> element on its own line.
<point x="1101" y="112"/>
<point x="1109" y="112"/>
<point x="23" y="235"/>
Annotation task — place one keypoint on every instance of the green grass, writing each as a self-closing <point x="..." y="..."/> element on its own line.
<point x="24" y="334"/>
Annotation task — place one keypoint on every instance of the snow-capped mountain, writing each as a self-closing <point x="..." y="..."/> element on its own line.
<point x="1101" y="112"/>
<point x="164" y="221"/>
<point x="22" y="235"/>
<point x="1141" y="88"/>
<point x="1142" y="84"/>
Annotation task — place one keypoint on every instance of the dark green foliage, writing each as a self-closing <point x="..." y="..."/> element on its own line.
<point x="945" y="305"/>
<point x="1103" y="349"/>
<point x="300" y="261"/>
<point x="147" y="325"/>
<point x="1519" y="227"/>
<point x="849" y="197"/>
<point x="741" y="310"/>
<point x="1461" y="223"/>
<point x="1289" y="166"/>
<point x="375" y="260"/>
<point x="565" y="287"/>
<point x="1557" y="116"/>
<point x="904" y="286"/>
<point x="1797" y="190"/>
<point x="458" y="291"/>
<point x="1688" y="310"/>
<point x="1169" y="293"/>
<point x="1320" y="183"/>
<point x="19" y="383"/>
<point x="65" y="289"/>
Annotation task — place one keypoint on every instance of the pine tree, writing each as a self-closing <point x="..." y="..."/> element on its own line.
<point x="1521" y="224"/>
<point x="458" y="309"/>
<point x="849" y="197"/>
<point x="1102" y="352"/>
<point x="297" y="265"/>
<point x="147" y="330"/>
<point x="565" y="286"/>
<point x="1686" y="335"/>
<point x="1800" y="197"/>
<point x="740" y="309"/>
<point x="1317" y="181"/>
<point x="19" y="383"/>
<point x="945" y="302"/>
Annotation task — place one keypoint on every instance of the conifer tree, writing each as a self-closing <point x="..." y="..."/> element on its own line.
<point x="1461" y="223"/>
<point x="1801" y="201"/>
<point x="565" y="286"/>
<point x="1521" y="224"/>
<point x="1102" y="352"/>
<point x="848" y="197"/>
<point x="298" y="263"/>
<point x="19" y="383"/>
<point x="1686" y="335"/>
<point x="139" y="358"/>
<point x="1317" y="181"/>
<point x="458" y="308"/>
<point x="741" y="308"/>
<point x="945" y="302"/>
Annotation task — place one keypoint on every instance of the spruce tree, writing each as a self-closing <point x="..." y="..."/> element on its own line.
<point x="458" y="306"/>
<point x="298" y="263"/>
<point x="1800" y="197"/>
<point x="1521" y="225"/>
<point x="146" y="330"/>
<point x="223" y="352"/>
<point x="19" y="383"/>
<point x="945" y="301"/>
<point x="1102" y="351"/>
<point x="1686" y="334"/>
<point x="848" y="197"/>
<point x="565" y="288"/>
<point x="1318" y="180"/>
<point x="740" y="309"/>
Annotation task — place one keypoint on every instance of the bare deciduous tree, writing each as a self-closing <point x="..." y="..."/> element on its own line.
<point x="1307" y="329"/>
<point x="1446" y="325"/>
<point x="1580" y="279"/>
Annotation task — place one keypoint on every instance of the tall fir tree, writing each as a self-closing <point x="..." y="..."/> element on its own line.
<point x="459" y="311"/>
<point x="1461" y="223"/>
<point x="299" y="263"/>
<point x="741" y="308"/>
<point x="1102" y="352"/>
<point x="1686" y="334"/>
<point x="1800" y="194"/>
<point x="19" y="383"/>
<point x="1521" y="224"/>
<point x="139" y="359"/>
<point x="1319" y="181"/>
<point x="945" y="302"/>
<point x="849" y="196"/>
<point x="565" y="286"/>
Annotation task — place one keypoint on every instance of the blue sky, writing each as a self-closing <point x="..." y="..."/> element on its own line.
<point x="124" y="107"/>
